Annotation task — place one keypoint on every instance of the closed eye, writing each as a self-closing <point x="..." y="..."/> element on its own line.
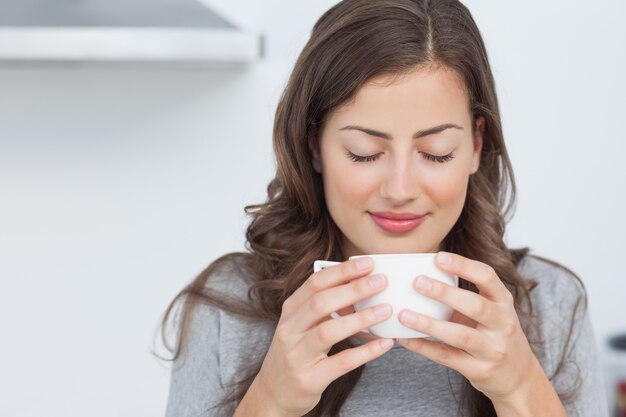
<point x="438" y="158"/>
<point x="370" y="158"/>
<point x="359" y="158"/>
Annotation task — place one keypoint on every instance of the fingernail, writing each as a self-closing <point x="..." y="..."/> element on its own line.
<point x="363" y="263"/>
<point x="424" y="283"/>
<point x="386" y="343"/>
<point x="408" y="317"/>
<point x="382" y="311"/>
<point x="377" y="281"/>
<point x="403" y="342"/>
<point x="444" y="258"/>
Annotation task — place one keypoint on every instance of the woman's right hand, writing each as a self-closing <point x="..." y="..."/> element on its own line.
<point x="296" y="369"/>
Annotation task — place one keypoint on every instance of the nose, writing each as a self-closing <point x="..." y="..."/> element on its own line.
<point x="401" y="183"/>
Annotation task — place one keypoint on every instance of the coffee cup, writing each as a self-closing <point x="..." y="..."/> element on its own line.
<point x="401" y="270"/>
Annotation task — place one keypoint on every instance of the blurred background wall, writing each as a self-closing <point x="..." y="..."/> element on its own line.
<point x="118" y="185"/>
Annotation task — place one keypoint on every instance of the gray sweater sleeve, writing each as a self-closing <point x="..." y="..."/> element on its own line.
<point x="218" y="347"/>
<point x="590" y="400"/>
<point x="568" y="350"/>
<point x="195" y="380"/>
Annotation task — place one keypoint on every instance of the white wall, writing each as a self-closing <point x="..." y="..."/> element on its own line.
<point x="117" y="186"/>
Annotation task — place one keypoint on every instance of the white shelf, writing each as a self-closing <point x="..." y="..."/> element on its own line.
<point x="23" y="44"/>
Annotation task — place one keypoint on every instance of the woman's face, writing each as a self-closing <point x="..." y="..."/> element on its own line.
<point x="396" y="161"/>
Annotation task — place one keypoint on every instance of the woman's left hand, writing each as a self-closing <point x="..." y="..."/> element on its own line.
<point x="484" y="340"/>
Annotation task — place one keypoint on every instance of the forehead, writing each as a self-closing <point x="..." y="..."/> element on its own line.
<point x="422" y="95"/>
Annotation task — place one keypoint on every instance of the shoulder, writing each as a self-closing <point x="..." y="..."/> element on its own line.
<point x="209" y="349"/>
<point x="558" y="303"/>
<point x="224" y="282"/>
<point x="221" y="320"/>
<point x="554" y="285"/>
<point x="241" y="333"/>
<point x="562" y="336"/>
<point x="228" y="277"/>
<point x="221" y="289"/>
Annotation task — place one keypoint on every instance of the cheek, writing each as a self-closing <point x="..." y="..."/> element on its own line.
<point x="344" y="182"/>
<point x="447" y="187"/>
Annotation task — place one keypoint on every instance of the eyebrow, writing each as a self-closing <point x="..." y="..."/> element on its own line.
<point x="416" y="135"/>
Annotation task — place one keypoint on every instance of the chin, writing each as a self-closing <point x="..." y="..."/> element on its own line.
<point x="398" y="247"/>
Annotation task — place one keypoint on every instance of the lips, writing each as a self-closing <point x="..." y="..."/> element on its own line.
<point x="397" y="222"/>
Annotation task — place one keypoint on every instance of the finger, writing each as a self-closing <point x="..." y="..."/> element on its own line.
<point x="456" y="335"/>
<point x="364" y="335"/>
<point x="317" y="308"/>
<point x="329" y="277"/>
<point x="347" y="360"/>
<point x="440" y="353"/>
<point x="483" y="275"/>
<point x="323" y="336"/>
<point x="470" y="304"/>
<point x="361" y="335"/>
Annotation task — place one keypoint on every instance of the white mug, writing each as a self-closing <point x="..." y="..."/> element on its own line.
<point x="401" y="270"/>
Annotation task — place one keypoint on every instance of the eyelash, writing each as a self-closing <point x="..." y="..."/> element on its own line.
<point x="358" y="158"/>
<point x="370" y="158"/>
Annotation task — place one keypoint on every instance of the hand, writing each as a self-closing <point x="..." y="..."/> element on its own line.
<point x="296" y="369"/>
<point x="484" y="340"/>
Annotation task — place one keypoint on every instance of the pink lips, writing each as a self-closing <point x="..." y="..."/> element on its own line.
<point x="397" y="222"/>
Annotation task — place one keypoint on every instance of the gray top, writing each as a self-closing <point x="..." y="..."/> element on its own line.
<point x="400" y="383"/>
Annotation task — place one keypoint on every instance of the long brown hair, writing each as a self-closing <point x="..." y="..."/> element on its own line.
<point x="351" y="43"/>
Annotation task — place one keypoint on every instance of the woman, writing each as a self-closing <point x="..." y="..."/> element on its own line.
<point x="390" y="115"/>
